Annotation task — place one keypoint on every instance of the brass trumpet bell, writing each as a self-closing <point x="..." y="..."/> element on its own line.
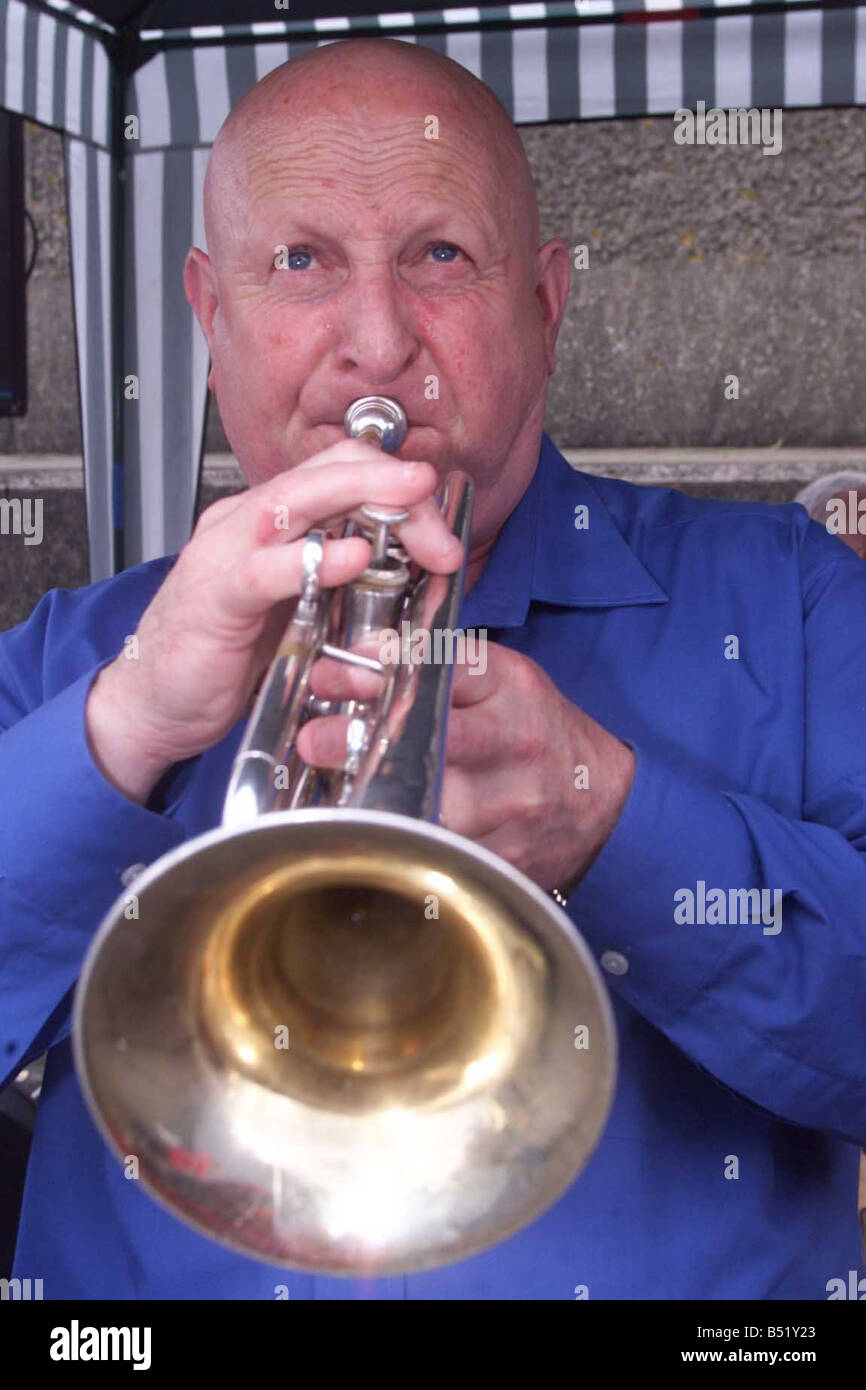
<point x="345" y="1043"/>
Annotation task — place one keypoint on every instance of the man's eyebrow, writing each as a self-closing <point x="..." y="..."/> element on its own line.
<point x="445" y="218"/>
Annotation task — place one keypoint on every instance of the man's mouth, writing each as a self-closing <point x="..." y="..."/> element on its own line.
<point x="411" y="425"/>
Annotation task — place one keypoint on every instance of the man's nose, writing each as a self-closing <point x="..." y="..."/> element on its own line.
<point x="378" y="333"/>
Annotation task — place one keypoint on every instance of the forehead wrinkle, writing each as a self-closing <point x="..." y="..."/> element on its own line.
<point x="350" y="155"/>
<point x="295" y="178"/>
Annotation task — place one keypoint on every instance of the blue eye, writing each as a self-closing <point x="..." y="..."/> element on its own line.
<point x="299" y="264"/>
<point x="451" y="252"/>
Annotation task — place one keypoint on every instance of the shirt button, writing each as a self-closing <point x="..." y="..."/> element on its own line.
<point x="614" y="963"/>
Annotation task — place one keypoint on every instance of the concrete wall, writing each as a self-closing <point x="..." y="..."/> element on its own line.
<point x="706" y="261"/>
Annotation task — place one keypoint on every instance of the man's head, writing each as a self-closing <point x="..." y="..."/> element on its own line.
<point x="399" y="186"/>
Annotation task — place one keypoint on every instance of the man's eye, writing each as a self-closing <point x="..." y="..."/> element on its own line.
<point x="444" y="251"/>
<point x="299" y="258"/>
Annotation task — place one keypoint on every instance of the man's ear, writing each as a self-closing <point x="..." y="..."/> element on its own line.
<point x="553" y="274"/>
<point x="200" y="290"/>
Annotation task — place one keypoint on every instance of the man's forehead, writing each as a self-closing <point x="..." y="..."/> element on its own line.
<point x="360" y="148"/>
<point x="315" y="173"/>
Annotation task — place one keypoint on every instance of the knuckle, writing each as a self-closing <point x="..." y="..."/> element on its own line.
<point x="213" y="513"/>
<point x="272" y="504"/>
<point x="247" y="575"/>
<point x="534" y="809"/>
<point x="533" y="741"/>
<point x="516" y="670"/>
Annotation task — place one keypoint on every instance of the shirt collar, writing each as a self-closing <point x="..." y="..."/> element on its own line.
<point x="540" y="555"/>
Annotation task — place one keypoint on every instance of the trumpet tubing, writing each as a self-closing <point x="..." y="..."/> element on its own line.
<point x="340" y="1037"/>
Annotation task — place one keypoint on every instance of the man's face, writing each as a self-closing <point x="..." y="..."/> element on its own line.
<point x="408" y="272"/>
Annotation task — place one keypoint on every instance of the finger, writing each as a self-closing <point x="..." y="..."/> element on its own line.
<point x="478" y="674"/>
<point x="476" y="738"/>
<point x="428" y="540"/>
<point x="334" y="680"/>
<point x="476" y="804"/>
<point x="322" y="741"/>
<point x="271" y="573"/>
<point x="424" y="535"/>
<point x="289" y="504"/>
<point x="458" y="808"/>
<point x="344" y="448"/>
<point x="219" y="511"/>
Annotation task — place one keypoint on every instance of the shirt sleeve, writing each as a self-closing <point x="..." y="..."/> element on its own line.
<point x="66" y="837"/>
<point x="775" y="1009"/>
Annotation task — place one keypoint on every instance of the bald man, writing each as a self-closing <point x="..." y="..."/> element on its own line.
<point x="668" y="731"/>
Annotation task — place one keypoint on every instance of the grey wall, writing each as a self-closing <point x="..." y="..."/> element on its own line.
<point x="705" y="261"/>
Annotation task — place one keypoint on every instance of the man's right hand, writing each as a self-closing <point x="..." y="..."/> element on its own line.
<point x="212" y="629"/>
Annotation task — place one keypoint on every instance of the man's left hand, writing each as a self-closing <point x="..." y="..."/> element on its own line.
<point x="528" y="774"/>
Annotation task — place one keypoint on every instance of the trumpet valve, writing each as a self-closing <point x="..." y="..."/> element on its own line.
<point x="381" y="519"/>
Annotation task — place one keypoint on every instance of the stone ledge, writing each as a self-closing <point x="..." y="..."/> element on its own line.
<point x="47" y="472"/>
<point x="666" y="466"/>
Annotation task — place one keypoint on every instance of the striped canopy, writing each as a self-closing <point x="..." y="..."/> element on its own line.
<point x="135" y="204"/>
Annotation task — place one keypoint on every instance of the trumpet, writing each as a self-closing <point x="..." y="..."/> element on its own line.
<point x="333" y="1035"/>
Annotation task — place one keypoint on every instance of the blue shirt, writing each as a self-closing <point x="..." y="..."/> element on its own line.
<point x="726" y="643"/>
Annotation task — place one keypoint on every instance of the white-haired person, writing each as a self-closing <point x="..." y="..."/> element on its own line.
<point x="838" y="502"/>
